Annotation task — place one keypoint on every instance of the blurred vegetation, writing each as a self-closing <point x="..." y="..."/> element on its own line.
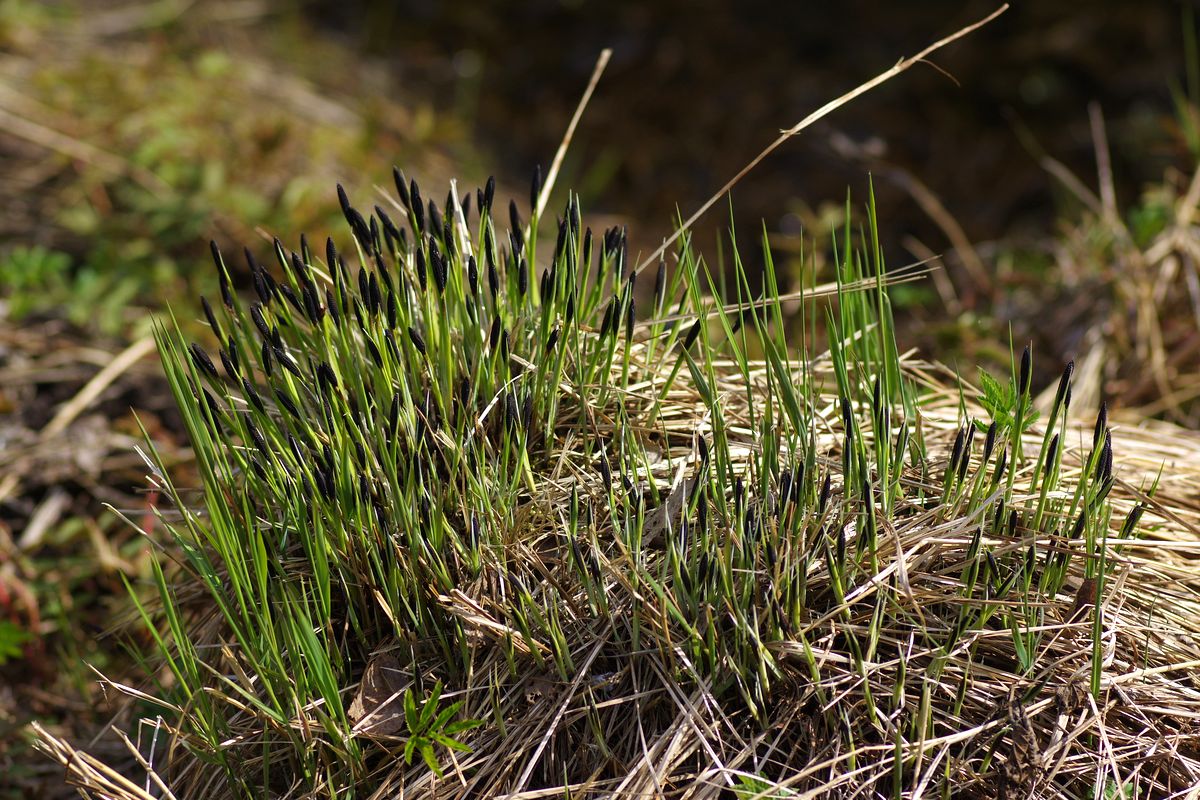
<point x="162" y="129"/>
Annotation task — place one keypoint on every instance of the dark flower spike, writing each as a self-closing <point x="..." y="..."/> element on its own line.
<point x="609" y="313"/>
<point x="989" y="442"/>
<point x="214" y="408"/>
<point x="290" y="296"/>
<point x="965" y="463"/>
<point x="473" y="275"/>
<point x="514" y="221"/>
<point x="364" y="285"/>
<point x="415" y="207"/>
<point x="1131" y="521"/>
<point x="287" y="363"/>
<point x="1064" y="384"/>
<point x="326" y="376"/>
<point x="267" y="359"/>
<point x="1101" y="424"/>
<point x="331" y="305"/>
<point x="230" y="368"/>
<point x="401" y="185"/>
<point x="605" y="471"/>
<point x="512" y="412"/>
<point x="421" y="271"/>
<point x="261" y="287"/>
<point x="389" y="228"/>
<point x="535" y="189"/>
<point x="294" y="446"/>
<point x="1104" y="468"/>
<point x="222" y="274"/>
<point x="212" y="320"/>
<point x="300" y="268"/>
<point x="253" y="396"/>
<point x="494" y="336"/>
<point x="660" y="282"/>
<point x="417" y="341"/>
<point x="202" y="361"/>
<point x="466" y="206"/>
<point x="373" y="351"/>
<point x="464" y="392"/>
<point x="1051" y="452"/>
<point x="440" y="266"/>
<point x="394" y="415"/>
<point x="493" y="276"/>
<point x="1026" y="372"/>
<point x="560" y="243"/>
<point x="552" y="341"/>
<point x="523" y="276"/>
<point x="692" y="333"/>
<point x="287" y="403"/>
<point x="331" y="257"/>
<point x="1001" y="463"/>
<point x="375" y="297"/>
<point x="256" y="436"/>
<point x="489" y="193"/>
<point x="389" y="339"/>
<point x="344" y="201"/>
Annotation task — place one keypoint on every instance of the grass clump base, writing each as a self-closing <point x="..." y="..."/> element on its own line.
<point x="486" y="514"/>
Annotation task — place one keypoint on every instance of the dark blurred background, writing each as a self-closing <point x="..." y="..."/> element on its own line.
<point x="695" y="89"/>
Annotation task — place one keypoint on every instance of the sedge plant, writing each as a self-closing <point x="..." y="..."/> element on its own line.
<point x="614" y="537"/>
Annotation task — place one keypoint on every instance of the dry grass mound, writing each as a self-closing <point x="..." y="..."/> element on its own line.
<point x="466" y="531"/>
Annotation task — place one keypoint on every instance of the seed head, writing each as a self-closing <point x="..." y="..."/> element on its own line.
<point x="415" y="206"/>
<point x="401" y="185"/>
<point x="489" y="192"/>
<point x="1026" y="371"/>
<point x="417" y="341"/>
<point x="1101" y="424"/>
<point x="535" y="189"/>
<point x="212" y="320"/>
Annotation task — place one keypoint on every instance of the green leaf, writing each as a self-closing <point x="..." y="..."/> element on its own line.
<point x="429" y="707"/>
<point x="410" y="713"/>
<point x="12" y="638"/>
<point x="453" y="744"/>
<point x="430" y="759"/>
<point x="1000" y="401"/>
<point x="445" y="716"/>
<point x="410" y="748"/>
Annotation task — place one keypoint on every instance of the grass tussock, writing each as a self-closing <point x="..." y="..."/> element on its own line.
<point x="487" y="513"/>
